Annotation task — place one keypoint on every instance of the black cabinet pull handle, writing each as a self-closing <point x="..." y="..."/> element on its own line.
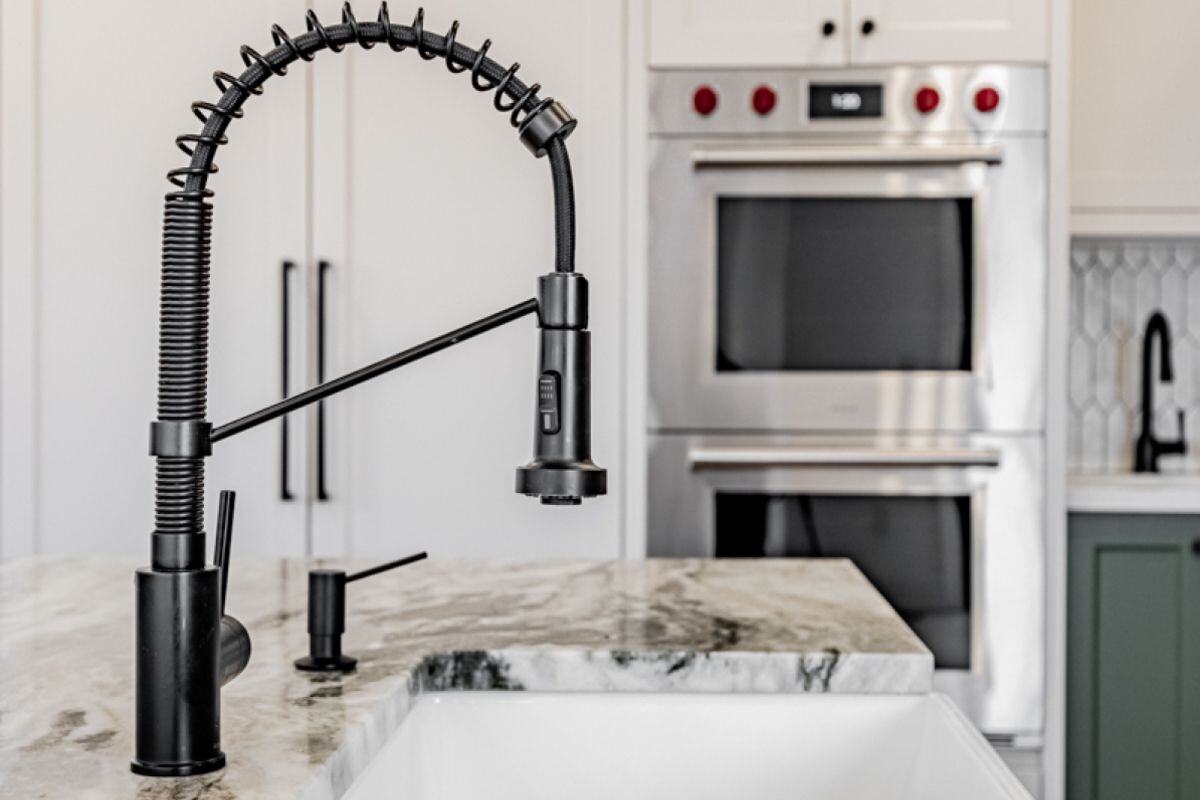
<point x="1196" y="546"/>
<point x="285" y="490"/>
<point x="322" y="490"/>
<point x="829" y="28"/>
<point x="868" y="26"/>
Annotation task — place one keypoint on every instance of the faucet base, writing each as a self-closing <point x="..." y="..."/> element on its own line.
<point x="178" y="770"/>
<point x="178" y="673"/>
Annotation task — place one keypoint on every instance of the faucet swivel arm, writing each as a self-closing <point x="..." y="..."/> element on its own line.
<point x="186" y="646"/>
<point x="374" y="370"/>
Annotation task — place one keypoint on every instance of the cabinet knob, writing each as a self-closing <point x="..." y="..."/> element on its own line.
<point x="868" y="26"/>
<point x="829" y="28"/>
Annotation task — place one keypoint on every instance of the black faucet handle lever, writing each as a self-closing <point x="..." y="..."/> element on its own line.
<point x="224" y="544"/>
<point x="234" y="639"/>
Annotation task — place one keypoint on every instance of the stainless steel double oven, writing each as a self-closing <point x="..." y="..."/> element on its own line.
<point x="847" y="283"/>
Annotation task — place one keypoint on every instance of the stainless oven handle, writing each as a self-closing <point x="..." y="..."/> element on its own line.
<point x="802" y="155"/>
<point x="760" y="457"/>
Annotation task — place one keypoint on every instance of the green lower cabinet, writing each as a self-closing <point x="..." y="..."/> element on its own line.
<point x="1133" y="657"/>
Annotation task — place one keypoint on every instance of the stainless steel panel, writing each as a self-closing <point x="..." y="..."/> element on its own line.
<point x="760" y="456"/>
<point x="1003" y="392"/>
<point x="1003" y="691"/>
<point x="1022" y="108"/>
<point x="734" y="155"/>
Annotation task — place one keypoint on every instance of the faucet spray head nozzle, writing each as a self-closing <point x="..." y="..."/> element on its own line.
<point x="562" y="472"/>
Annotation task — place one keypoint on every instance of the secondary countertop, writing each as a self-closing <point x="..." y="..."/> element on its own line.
<point x="1134" y="493"/>
<point x="66" y="727"/>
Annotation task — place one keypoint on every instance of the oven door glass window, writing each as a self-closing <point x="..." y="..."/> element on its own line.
<point x="915" y="550"/>
<point x="847" y="283"/>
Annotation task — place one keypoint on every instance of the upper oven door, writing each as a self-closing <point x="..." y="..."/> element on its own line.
<point x="868" y="285"/>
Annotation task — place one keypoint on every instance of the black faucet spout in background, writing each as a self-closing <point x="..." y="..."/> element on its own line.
<point x="1148" y="449"/>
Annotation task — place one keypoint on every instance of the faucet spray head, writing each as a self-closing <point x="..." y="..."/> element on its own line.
<point x="562" y="471"/>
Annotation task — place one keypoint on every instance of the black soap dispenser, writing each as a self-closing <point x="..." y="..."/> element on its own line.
<point x="327" y="615"/>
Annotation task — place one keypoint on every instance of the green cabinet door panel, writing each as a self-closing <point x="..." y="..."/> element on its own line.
<point x="1133" y="657"/>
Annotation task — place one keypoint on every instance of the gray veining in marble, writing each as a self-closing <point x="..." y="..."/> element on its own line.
<point x="686" y="626"/>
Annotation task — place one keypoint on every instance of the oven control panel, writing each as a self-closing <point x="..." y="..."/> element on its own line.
<point x="835" y="99"/>
<point x="918" y="100"/>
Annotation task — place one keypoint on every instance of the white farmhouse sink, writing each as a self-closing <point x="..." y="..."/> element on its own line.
<point x="603" y="746"/>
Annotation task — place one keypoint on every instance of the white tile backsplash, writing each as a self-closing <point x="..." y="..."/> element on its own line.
<point x="1115" y="285"/>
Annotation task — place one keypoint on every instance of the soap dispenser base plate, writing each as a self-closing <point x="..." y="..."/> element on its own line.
<point x="178" y="770"/>
<point x="339" y="664"/>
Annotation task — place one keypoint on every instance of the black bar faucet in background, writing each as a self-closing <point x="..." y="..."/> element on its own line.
<point x="1148" y="449"/>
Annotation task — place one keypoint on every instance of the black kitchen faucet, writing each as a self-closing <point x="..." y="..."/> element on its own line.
<point x="1148" y="449"/>
<point x="187" y="647"/>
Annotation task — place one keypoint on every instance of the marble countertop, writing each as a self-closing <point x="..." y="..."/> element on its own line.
<point x="1134" y="493"/>
<point x="661" y="625"/>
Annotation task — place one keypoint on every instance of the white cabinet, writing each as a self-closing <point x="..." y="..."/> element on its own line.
<point x="1135" y="127"/>
<point x="717" y="33"/>
<point x="932" y="31"/>
<point x="432" y="214"/>
<point x="418" y="194"/>
<point x="113" y="84"/>
<point x="764" y="33"/>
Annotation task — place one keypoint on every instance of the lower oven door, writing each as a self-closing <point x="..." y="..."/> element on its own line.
<point x="948" y="529"/>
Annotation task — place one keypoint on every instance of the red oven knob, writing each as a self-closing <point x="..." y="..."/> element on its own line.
<point x="927" y="99"/>
<point x="704" y="100"/>
<point x="763" y="100"/>
<point x="986" y="100"/>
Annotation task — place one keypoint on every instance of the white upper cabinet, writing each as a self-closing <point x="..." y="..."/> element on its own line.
<point x="1135" y="150"/>
<point x="718" y="33"/>
<point x="783" y="33"/>
<point x="931" y="31"/>
<point x="106" y="129"/>
<point x="431" y="214"/>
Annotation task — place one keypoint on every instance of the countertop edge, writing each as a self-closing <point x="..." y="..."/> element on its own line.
<point x="1133" y="494"/>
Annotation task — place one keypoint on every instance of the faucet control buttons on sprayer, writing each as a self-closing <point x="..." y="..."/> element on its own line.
<point x="548" y="414"/>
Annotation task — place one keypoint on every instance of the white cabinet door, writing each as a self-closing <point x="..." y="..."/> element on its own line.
<point x="759" y="33"/>
<point x="1135" y="152"/>
<point x="114" y="83"/>
<point x="432" y="214"/>
<point x="931" y="31"/>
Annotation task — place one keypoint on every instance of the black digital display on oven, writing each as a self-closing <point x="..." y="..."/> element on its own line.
<point x="827" y="100"/>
